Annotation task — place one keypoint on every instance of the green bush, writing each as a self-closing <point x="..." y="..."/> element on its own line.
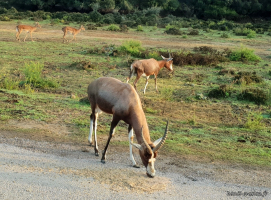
<point x="225" y="35"/>
<point x="113" y="27"/>
<point x="123" y="28"/>
<point x="95" y="16"/>
<point x="154" y="54"/>
<point x="252" y="34"/>
<point x="244" y="54"/>
<point x="8" y="83"/>
<point x="33" y="76"/>
<point x="132" y="47"/>
<point x="174" y="31"/>
<point x="244" y="32"/>
<point x="139" y="28"/>
<point x="255" y="121"/>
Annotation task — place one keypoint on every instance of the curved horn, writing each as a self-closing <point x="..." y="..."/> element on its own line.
<point x="161" y="140"/>
<point x="147" y="145"/>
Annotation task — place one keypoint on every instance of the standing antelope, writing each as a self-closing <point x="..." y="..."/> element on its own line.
<point x="111" y="96"/>
<point x="148" y="67"/>
<point x="74" y="31"/>
<point x="27" y="28"/>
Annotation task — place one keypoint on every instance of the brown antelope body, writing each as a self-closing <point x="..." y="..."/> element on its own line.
<point x="148" y="67"/>
<point x="27" y="28"/>
<point x="73" y="31"/>
<point x="111" y="96"/>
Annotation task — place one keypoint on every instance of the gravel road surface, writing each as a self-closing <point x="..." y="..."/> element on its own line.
<point x="43" y="170"/>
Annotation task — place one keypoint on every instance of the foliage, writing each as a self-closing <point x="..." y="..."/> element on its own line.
<point x="173" y="31"/>
<point x="33" y="76"/>
<point x="113" y="27"/>
<point x="139" y="28"/>
<point x="223" y="91"/>
<point x="244" y="54"/>
<point x="225" y="35"/>
<point x="132" y="47"/>
<point x="149" y="9"/>
<point x="244" y="31"/>
<point x="8" y="83"/>
<point x="257" y="95"/>
<point x="254" y="121"/>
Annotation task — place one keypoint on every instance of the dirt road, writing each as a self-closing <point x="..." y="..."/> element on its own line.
<point x="51" y="170"/>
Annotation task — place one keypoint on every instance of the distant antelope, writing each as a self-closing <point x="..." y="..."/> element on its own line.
<point x="149" y="67"/>
<point x="74" y="31"/>
<point x="111" y="96"/>
<point x="27" y="28"/>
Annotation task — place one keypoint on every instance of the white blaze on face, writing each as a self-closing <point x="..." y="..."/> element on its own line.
<point x="150" y="167"/>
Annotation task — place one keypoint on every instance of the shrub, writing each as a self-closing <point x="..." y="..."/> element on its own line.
<point x="247" y="78"/>
<point x="132" y="47"/>
<point x="252" y="34"/>
<point x="123" y="28"/>
<point x="4" y="18"/>
<point x="225" y="35"/>
<point x="169" y="27"/>
<point x="113" y="27"/>
<point x="173" y="31"/>
<point x="154" y="54"/>
<point x="254" y="121"/>
<point x="222" y="92"/>
<point x="33" y="72"/>
<point x="139" y="28"/>
<point x="244" y="32"/>
<point x="95" y="16"/>
<point x="129" y="23"/>
<point x="8" y="83"/>
<point x="244" y="54"/>
<point x="193" y="32"/>
<point x="91" y="27"/>
<point x="256" y="95"/>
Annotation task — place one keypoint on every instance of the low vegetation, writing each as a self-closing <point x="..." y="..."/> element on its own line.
<point x="217" y="99"/>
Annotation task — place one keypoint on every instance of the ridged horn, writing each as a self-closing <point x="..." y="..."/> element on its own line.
<point x="147" y="145"/>
<point x="161" y="140"/>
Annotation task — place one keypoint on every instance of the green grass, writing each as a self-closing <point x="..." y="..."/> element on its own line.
<point x="217" y="129"/>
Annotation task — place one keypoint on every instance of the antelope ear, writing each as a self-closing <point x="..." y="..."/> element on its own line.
<point x="163" y="57"/>
<point x="138" y="146"/>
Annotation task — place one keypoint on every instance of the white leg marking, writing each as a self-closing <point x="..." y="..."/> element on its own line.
<point x="97" y="112"/>
<point x="171" y="67"/>
<point x="131" y="136"/>
<point x="146" y="84"/>
<point x="90" y="131"/>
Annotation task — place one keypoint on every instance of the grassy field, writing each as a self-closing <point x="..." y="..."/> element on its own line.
<point x="228" y="129"/>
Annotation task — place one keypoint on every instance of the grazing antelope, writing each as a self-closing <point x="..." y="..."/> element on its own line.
<point x="148" y="67"/>
<point x="74" y="31"/>
<point x="111" y="96"/>
<point x="27" y="28"/>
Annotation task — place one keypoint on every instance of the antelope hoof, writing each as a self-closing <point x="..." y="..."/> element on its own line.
<point x="136" y="166"/>
<point x="96" y="154"/>
<point x="90" y="144"/>
<point x="151" y="176"/>
<point x="103" y="161"/>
